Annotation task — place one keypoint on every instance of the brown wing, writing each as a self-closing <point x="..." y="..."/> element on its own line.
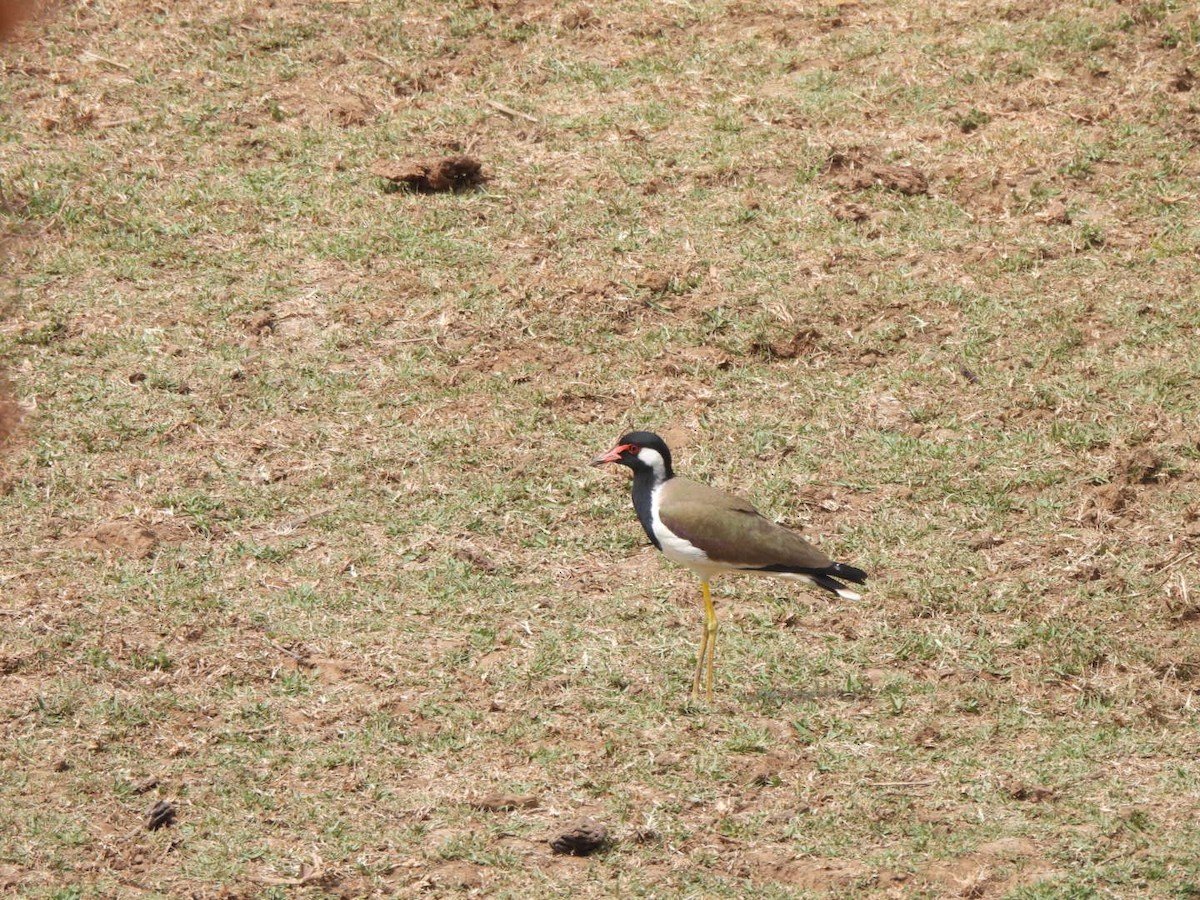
<point x="731" y="531"/>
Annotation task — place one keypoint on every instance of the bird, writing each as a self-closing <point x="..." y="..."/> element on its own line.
<point x="712" y="532"/>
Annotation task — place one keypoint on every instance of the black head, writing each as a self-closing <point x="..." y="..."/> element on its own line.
<point x="640" y="451"/>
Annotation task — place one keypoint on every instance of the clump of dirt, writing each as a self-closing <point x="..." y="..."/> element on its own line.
<point x="353" y="112"/>
<point x="857" y="169"/>
<point x="580" y="837"/>
<point x="580" y="17"/>
<point x="1130" y="471"/>
<point x="985" y="541"/>
<point x="800" y="343"/>
<point x="769" y="769"/>
<point x="887" y="413"/>
<point x="161" y="815"/>
<point x="1055" y="213"/>
<point x="1142" y="466"/>
<point x="433" y="176"/>
<point x="847" y="211"/>
<point x="1031" y="793"/>
<point x="1106" y="501"/>
<point x="1182" y="82"/>
<point x="262" y="322"/>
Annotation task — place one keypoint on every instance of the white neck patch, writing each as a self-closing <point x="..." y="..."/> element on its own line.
<point x="654" y="460"/>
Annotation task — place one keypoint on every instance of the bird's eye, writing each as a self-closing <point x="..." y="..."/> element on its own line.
<point x="633" y="448"/>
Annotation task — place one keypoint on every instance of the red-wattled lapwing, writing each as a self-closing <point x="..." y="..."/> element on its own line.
<point x="711" y="532"/>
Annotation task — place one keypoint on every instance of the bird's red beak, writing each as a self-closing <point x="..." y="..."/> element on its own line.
<point x="612" y="456"/>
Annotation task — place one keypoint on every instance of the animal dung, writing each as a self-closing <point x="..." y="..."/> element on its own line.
<point x="580" y="837"/>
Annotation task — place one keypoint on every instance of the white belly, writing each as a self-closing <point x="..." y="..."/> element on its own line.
<point x="677" y="549"/>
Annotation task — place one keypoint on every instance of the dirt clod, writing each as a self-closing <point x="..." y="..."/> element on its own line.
<point x="887" y="413"/>
<point x="1105" y="502"/>
<point x="766" y="771"/>
<point x="1142" y="466"/>
<point x="580" y="17"/>
<point x="1031" y="793"/>
<point x="161" y="815"/>
<point x="14" y="12"/>
<point x="1182" y="82"/>
<point x="262" y="322"/>
<point x="1055" y="213"/>
<point x="656" y="282"/>
<point x="985" y="541"/>
<point x="667" y="760"/>
<point x="848" y="211"/>
<point x="145" y="785"/>
<point x="353" y="112"/>
<point x="928" y="737"/>
<point x="478" y="559"/>
<point x="800" y="343"/>
<point x="858" y="169"/>
<point x="433" y="176"/>
<point x="580" y="837"/>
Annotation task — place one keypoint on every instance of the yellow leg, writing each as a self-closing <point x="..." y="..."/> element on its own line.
<point x="706" y="661"/>
<point x="699" y="666"/>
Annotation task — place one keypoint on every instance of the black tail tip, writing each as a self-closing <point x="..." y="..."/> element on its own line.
<point x="850" y="573"/>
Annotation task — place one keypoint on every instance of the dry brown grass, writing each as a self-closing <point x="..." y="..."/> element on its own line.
<point x="300" y="537"/>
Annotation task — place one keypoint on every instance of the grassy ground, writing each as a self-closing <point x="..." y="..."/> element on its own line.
<point x="300" y="535"/>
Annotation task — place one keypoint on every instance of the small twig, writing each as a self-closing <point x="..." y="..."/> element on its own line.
<point x="298" y="657"/>
<point x="391" y="63"/>
<point x="899" y="783"/>
<point x="117" y="123"/>
<point x="1176" y="561"/>
<point x="304" y="519"/>
<point x="509" y="111"/>
<point x="95" y="57"/>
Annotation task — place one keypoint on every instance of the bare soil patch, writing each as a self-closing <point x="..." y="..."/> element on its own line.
<point x="302" y="540"/>
<point x="131" y="539"/>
